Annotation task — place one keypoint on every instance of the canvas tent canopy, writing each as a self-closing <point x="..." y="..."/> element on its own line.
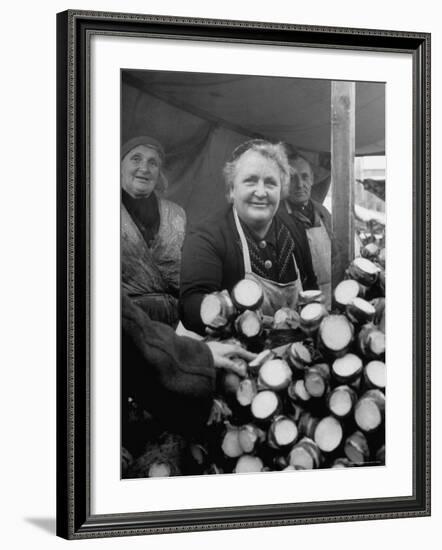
<point x="200" y="118"/>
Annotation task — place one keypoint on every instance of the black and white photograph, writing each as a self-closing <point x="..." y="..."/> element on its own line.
<point x="253" y="253"/>
<point x="230" y="351"/>
<point x="217" y="313"/>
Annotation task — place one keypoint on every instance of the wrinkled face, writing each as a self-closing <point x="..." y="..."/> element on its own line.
<point x="140" y="171"/>
<point x="256" y="189"/>
<point x="301" y="181"/>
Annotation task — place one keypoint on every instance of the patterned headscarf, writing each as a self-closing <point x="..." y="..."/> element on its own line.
<point x="147" y="141"/>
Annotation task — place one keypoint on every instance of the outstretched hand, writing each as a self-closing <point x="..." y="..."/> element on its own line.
<point x="224" y="354"/>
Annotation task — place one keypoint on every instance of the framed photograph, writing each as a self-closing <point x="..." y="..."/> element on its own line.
<point x="243" y="274"/>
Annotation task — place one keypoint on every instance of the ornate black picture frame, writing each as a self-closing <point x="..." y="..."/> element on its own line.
<point x="74" y="32"/>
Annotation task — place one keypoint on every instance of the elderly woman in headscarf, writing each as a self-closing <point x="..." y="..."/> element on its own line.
<point x="152" y="231"/>
<point x="246" y="239"/>
<point x="170" y="378"/>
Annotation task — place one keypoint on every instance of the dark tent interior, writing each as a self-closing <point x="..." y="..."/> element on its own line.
<point x="201" y="117"/>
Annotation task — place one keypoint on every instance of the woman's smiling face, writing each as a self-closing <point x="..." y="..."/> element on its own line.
<point x="140" y="171"/>
<point x="256" y="189"/>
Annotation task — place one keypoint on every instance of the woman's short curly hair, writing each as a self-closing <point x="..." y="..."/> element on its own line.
<point x="272" y="151"/>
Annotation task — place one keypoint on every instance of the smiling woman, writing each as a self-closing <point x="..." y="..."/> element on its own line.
<point x="152" y="231"/>
<point x="256" y="182"/>
<point x="246" y="239"/>
<point x="140" y="171"/>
